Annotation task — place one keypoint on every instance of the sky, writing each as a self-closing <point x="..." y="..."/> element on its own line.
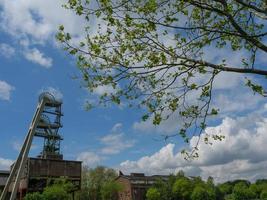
<point x="31" y="61"/>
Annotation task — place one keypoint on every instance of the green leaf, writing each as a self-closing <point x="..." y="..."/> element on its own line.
<point x="157" y="119"/>
<point x="115" y="99"/>
<point x="61" y="28"/>
<point x="214" y="111"/>
<point x="145" y="117"/>
<point x="73" y="51"/>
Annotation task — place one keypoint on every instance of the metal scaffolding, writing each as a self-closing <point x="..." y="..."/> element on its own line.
<point x="45" y="124"/>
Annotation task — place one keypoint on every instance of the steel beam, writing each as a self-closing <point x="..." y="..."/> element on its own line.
<point x="19" y="165"/>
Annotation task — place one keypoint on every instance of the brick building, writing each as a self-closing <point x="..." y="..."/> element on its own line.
<point x="136" y="185"/>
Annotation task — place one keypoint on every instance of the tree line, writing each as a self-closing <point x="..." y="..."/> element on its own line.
<point x="180" y="187"/>
<point x="99" y="184"/>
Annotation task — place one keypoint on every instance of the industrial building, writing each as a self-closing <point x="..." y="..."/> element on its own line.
<point x="33" y="174"/>
<point x="39" y="172"/>
<point x="136" y="185"/>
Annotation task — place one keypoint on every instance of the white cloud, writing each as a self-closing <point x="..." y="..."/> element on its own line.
<point x="5" y="90"/>
<point x="102" y="89"/>
<point x="35" y="56"/>
<point x="162" y="162"/>
<point x="166" y="127"/>
<point x="227" y="80"/>
<point x="6" y="50"/>
<point x="116" y="128"/>
<point x="230" y="102"/>
<point x="33" y="23"/>
<point x="5" y="163"/>
<point x="234" y="102"/>
<point x="90" y="159"/>
<point x="240" y="155"/>
<point x="112" y="144"/>
<point x="16" y="145"/>
<point x="116" y="142"/>
<point x="37" y="19"/>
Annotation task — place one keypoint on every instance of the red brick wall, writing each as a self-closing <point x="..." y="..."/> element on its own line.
<point x="125" y="194"/>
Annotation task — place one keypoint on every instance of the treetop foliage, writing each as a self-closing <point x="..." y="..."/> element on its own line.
<point x="176" y="187"/>
<point x="98" y="183"/>
<point x="60" y="189"/>
<point x="194" y="188"/>
<point x="155" y="54"/>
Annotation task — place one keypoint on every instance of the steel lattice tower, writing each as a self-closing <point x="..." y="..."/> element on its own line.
<point x="45" y="124"/>
<point x="48" y="128"/>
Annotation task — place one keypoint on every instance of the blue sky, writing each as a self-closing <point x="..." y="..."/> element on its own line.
<point x="82" y="130"/>
<point x="32" y="61"/>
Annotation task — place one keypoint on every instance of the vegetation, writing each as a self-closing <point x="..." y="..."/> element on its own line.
<point x="194" y="188"/>
<point x="153" y="194"/>
<point x="155" y="53"/>
<point x="109" y="190"/>
<point x="184" y="188"/>
<point x="34" y="196"/>
<point x="59" y="190"/>
<point x="99" y="184"/>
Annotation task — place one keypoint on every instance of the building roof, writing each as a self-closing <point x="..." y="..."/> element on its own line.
<point x="4" y="172"/>
<point x="140" y="178"/>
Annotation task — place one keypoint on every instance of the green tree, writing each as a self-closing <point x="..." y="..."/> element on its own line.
<point x="225" y="189"/>
<point x="155" y="53"/>
<point x="200" y="193"/>
<point x="204" y="190"/>
<point x="180" y="173"/>
<point x="59" y="189"/>
<point x="34" y="196"/>
<point x="263" y="194"/>
<point x="55" y="192"/>
<point x="109" y="190"/>
<point x="256" y="189"/>
<point x="261" y="181"/>
<point x="242" y="192"/>
<point x="165" y="187"/>
<point x="93" y="180"/>
<point x="211" y="188"/>
<point x="229" y="197"/>
<point x="153" y="194"/>
<point x="182" y="188"/>
<point x="261" y="186"/>
<point x="197" y="181"/>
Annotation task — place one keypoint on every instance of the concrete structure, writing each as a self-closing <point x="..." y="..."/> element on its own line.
<point x="136" y="185"/>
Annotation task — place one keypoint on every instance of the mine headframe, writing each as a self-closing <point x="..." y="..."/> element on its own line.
<point x="48" y="128"/>
<point x="46" y="124"/>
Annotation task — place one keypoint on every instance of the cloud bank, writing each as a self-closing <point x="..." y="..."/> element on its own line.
<point x="5" y="90"/>
<point x="242" y="154"/>
<point x="110" y="144"/>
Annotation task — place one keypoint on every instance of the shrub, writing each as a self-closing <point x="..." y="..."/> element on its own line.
<point x="153" y="194"/>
